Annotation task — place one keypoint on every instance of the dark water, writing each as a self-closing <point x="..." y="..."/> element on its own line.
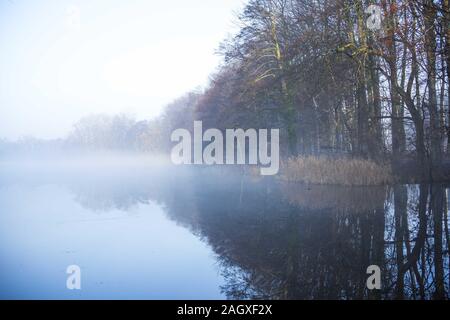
<point x="202" y="234"/>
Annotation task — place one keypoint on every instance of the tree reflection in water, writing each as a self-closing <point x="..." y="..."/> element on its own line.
<point x="284" y="241"/>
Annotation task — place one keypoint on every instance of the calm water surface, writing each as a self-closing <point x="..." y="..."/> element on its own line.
<point x="167" y="233"/>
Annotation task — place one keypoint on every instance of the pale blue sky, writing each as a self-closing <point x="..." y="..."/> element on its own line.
<point x="61" y="60"/>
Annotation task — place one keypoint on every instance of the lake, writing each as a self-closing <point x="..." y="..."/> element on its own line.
<point x="146" y="232"/>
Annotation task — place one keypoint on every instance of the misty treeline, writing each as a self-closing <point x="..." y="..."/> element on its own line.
<point x="97" y="132"/>
<point x="121" y="133"/>
<point x="333" y="86"/>
<point x="316" y="71"/>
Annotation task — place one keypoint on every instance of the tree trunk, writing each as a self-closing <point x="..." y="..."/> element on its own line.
<point x="430" y="48"/>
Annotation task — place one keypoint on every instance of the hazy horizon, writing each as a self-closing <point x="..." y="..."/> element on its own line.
<point x="63" y="61"/>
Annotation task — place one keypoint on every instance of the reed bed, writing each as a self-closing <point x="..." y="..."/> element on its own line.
<point x="340" y="171"/>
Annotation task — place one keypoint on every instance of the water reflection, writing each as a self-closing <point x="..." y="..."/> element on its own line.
<point x="284" y="241"/>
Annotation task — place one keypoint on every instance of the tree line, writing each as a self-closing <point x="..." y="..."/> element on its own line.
<point x="332" y="84"/>
<point x="319" y="73"/>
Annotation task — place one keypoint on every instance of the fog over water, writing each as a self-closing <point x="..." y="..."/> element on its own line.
<point x="140" y="230"/>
